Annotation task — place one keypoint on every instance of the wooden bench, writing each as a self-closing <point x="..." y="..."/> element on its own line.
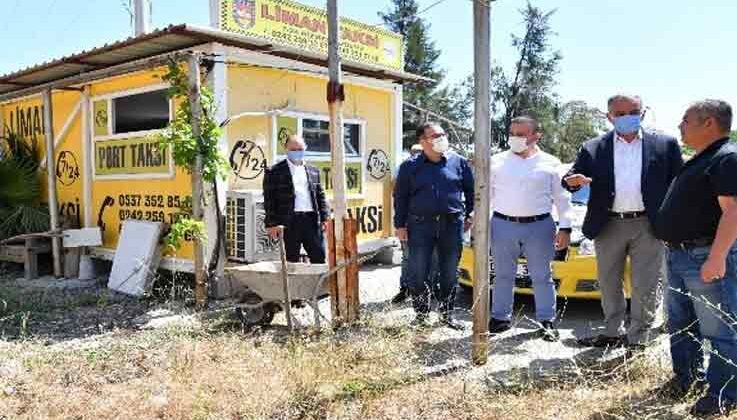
<point x="26" y="252"/>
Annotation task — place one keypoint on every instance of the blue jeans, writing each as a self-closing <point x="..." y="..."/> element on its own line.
<point x="428" y="234"/>
<point x="405" y="275"/>
<point x="536" y="241"/>
<point x="697" y="311"/>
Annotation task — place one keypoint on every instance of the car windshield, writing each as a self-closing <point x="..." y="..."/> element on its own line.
<point x="581" y="196"/>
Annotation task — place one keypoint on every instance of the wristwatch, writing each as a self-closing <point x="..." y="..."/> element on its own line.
<point x="569" y="230"/>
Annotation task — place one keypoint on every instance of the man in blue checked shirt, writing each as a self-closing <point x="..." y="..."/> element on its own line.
<point x="433" y="202"/>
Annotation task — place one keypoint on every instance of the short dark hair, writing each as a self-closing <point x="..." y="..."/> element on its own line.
<point x="622" y="97"/>
<point x="720" y="110"/>
<point x="526" y="119"/>
<point x="424" y="126"/>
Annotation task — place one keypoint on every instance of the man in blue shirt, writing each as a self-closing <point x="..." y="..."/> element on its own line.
<point x="433" y="201"/>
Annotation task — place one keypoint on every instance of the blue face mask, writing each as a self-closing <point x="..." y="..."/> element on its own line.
<point x="295" y="155"/>
<point x="627" y="124"/>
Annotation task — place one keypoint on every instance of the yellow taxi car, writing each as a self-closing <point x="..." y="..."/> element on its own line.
<point x="574" y="270"/>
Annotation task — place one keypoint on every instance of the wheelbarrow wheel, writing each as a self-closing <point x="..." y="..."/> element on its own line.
<point x="252" y="317"/>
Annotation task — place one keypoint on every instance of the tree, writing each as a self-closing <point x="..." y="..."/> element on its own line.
<point x="733" y="136"/>
<point x="576" y="123"/>
<point x="529" y="89"/>
<point x="420" y="57"/>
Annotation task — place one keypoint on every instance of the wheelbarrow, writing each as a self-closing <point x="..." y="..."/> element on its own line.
<point x="264" y="288"/>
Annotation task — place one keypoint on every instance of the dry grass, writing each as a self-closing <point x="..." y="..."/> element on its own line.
<point x="368" y="372"/>
<point x="215" y="371"/>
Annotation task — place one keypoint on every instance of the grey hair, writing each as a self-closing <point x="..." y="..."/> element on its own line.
<point x="622" y="97"/>
<point x="526" y="119"/>
<point x="720" y="110"/>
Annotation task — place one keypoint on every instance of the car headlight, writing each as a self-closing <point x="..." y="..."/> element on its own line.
<point x="586" y="247"/>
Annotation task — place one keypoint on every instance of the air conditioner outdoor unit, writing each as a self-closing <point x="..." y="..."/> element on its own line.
<point x="247" y="240"/>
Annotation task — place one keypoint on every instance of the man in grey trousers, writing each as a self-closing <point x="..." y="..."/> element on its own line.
<point x="629" y="170"/>
<point x="524" y="184"/>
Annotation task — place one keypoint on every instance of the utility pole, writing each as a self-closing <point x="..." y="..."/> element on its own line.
<point x="142" y="16"/>
<point x="336" y="96"/>
<point x="193" y="62"/>
<point x="481" y="157"/>
<point x="51" y="179"/>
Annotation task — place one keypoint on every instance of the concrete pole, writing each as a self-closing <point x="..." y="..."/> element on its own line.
<point x="193" y="63"/>
<point x="482" y="150"/>
<point x="51" y="179"/>
<point x="215" y="17"/>
<point x="142" y="16"/>
<point x="335" y="104"/>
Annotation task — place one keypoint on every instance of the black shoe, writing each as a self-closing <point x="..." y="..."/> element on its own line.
<point x="448" y="321"/>
<point x="635" y="348"/>
<point x="675" y="390"/>
<point x="710" y="405"/>
<point x="603" y="341"/>
<point x="421" y="321"/>
<point x="548" y="332"/>
<point x="497" y="326"/>
<point x="400" y="297"/>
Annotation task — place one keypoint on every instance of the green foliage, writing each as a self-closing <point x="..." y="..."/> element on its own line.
<point x="181" y="229"/>
<point x="20" y="188"/>
<point x="178" y="135"/>
<point x="529" y="89"/>
<point x="733" y="136"/>
<point x="420" y="57"/>
<point x="576" y="123"/>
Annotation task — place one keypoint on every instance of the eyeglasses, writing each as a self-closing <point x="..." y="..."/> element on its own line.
<point x="435" y="135"/>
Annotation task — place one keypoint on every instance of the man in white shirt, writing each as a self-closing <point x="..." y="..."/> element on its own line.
<point x="525" y="184"/>
<point x="295" y="200"/>
<point x="629" y="170"/>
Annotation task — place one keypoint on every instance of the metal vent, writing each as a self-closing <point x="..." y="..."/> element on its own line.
<point x="247" y="240"/>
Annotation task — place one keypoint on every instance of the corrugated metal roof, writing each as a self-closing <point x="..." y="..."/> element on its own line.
<point x="60" y="73"/>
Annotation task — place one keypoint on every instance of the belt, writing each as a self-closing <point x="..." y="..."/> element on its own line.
<point x="303" y="212"/>
<point x="435" y="217"/>
<point x="523" y="219"/>
<point x="690" y="243"/>
<point x="627" y="214"/>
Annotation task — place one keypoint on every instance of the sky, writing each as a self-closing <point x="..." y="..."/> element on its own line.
<point x="670" y="52"/>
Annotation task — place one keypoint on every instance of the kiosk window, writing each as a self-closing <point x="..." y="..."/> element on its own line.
<point x="140" y="112"/>
<point x="317" y="137"/>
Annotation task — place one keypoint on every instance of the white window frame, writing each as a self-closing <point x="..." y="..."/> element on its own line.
<point x="132" y="135"/>
<point x="361" y="158"/>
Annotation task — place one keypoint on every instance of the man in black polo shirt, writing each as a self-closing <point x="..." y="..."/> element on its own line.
<point x="698" y="222"/>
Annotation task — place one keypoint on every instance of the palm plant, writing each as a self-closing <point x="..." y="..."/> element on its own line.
<point x="20" y="187"/>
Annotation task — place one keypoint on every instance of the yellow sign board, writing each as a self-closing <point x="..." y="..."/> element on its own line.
<point x="99" y="108"/>
<point x="285" y="127"/>
<point x="132" y="156"/>
<point x="353" y="176"/>
<point x="291" y="24"/>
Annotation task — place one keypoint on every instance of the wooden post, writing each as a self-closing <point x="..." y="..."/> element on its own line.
<point x="335" y="96"/>
<point x="482" y="150"/>
<point x="285" y="280"/>
<point x="351" y="271"/>
<point x="51" y="179"/>
<point x="333" y="280"/>
<point x="195" y="106"/>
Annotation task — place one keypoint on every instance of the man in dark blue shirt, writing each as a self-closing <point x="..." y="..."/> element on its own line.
<point x="433" y="201"/>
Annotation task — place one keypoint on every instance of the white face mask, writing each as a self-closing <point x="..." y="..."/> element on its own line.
<point x="517" y="144"/>
<point x="440" y="144"/>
